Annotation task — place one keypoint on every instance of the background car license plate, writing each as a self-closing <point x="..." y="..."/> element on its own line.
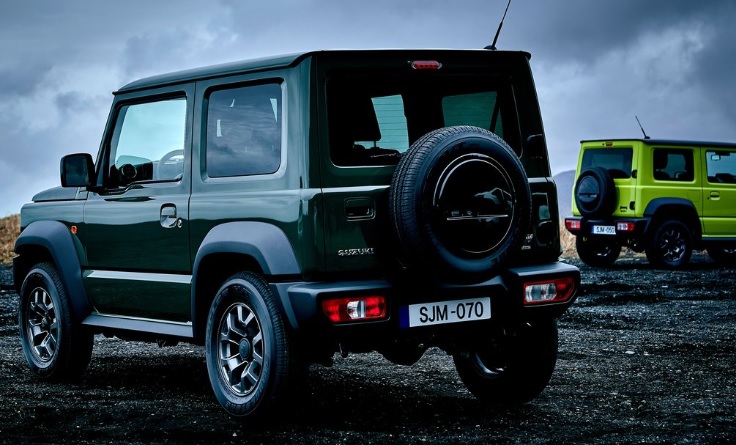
<point x="604" y="230"/>
<point x="442" y="312"/>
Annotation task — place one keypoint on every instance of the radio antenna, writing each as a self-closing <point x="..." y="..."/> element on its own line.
<point x="642" y="128"/>
<point x="492" y="47"/>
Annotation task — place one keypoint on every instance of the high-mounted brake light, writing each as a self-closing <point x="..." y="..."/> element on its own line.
<point x="425" y="64"/>
<point x="343" y="310"/>
<point x="555" y="290"/>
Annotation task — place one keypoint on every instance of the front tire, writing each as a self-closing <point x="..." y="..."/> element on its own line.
<point x="516" y="369"/>
<point x="595" y="252"/>
<point x="249" y="354"/>
<point x="55" y="346"/>
<point x="671" y="245"/>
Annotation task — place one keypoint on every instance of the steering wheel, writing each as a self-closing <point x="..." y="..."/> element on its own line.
<point x="171" y="165"/>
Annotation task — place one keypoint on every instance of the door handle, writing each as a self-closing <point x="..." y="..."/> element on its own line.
<point x="359" y="208"/>
<point x="715" y="195"/>
<point x="168" y="217"/>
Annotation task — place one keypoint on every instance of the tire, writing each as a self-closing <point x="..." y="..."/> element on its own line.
<point x="723" y="255"/>
<point x="595" y="193"/>
<point x="459" y="203"/>
<point x="597" y="252"/>
<point x="55" y="347"/>
<point x="516" y="369"/>
<point x="249" y="353"/>
<point x="671" y="245"/>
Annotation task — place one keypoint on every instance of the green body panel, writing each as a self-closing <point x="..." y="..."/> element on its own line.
<point x="138" y="244"/>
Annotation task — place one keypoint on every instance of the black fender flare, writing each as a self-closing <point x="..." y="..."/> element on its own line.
<point x="685" y="210"/>
<point x="56" y="239"/>
<point x="267" y="244"/>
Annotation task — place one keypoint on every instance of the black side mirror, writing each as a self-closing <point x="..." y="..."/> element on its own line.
<point x="77" y="170"/>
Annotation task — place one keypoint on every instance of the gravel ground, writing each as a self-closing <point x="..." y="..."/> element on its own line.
<point x="646" y="356"/>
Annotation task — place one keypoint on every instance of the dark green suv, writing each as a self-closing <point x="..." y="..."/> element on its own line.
<point x="280" y="210"/>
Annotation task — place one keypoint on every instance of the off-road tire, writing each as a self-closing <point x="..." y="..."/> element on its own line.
<point x="671" y="245"/>
<point x="515" y="369"/>
<point x="459" y="203"/>
<point x="250" y="358"/>
<point x="55" y="347"/>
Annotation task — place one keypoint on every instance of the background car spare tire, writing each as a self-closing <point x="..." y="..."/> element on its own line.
<point x="595" y="193"/>
<point x="460" y="203"/>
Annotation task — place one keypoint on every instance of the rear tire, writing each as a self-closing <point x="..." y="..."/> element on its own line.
<point x="250" y="358"/>
<point x="516" y="369"/>
<point x="55" y="346"/>
<point x="596" y="252"/>
<point x="671" y="245"/>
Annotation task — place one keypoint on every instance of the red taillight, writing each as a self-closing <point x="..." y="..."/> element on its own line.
<point x="556" y="290"/>
<point x="343" y="310"/>
<point x="425" y="64"/>
<point x="624" y="226"/>
<point x="573" y="224"/>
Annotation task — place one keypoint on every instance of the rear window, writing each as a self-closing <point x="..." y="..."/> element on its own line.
<point x="374" y="119"/>
<point x="616" y="160"/>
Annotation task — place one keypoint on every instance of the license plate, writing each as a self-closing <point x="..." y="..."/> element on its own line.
<point x="443" y="312"/>
<point x="604" y="230"/>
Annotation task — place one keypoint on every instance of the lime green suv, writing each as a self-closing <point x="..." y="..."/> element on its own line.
<point x="662" y="197"/>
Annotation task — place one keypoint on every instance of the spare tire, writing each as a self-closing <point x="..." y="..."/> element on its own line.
<point x="460" y="203"/>
<point x="595" y="193"/>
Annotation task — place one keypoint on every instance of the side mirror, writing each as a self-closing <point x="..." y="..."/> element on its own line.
<point x="77" y="170"/>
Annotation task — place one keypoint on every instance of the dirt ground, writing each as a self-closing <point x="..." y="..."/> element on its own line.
<point x="646" y="356"/>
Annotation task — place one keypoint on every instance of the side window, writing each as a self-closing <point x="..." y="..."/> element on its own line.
<point x="673" y="165"/>
<point x="721" y="166"/>
<point x="244" y="131"/>
<point x="148" y="142"/>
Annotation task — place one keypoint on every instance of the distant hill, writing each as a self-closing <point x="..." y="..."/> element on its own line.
<point x="565" y="182"/>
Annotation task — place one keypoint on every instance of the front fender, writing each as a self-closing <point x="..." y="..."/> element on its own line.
<point x="43" y="240"/>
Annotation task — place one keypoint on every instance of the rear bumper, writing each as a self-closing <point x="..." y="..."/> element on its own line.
<point x="303" y="303"/>
<point x="583" y="226"/>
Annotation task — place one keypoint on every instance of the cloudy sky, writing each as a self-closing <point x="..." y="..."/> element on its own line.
<point x="597" y="63"/>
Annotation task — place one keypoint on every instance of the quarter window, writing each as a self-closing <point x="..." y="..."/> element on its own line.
<point x="244" y="131"/>
<point x="673" y="165"/>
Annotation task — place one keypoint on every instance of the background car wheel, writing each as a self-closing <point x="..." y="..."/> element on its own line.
<point x="723" y="255"/>
<point x="595" y="193"/>
<point x="460" y="203"/>
<point x="55" y="346"/>
<point x="671" y="245"/>
<point x="250" y="360"/>
<point x="596" y="252"/>
<point x="514" y="371"/>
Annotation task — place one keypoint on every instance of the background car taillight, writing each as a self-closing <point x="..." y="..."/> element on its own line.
<point x="343" y="310"/>
<point x="556" y="290"/>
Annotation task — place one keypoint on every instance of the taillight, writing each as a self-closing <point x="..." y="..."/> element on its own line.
<point x="573" y="224"/>
<point x="344" y="310"/>
<point x="624" y="226"/>
<point x="556" y="290"/>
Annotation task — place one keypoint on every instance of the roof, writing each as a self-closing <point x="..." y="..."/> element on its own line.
<point x="668" y="142"/>
<point x="260" y="64"/>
